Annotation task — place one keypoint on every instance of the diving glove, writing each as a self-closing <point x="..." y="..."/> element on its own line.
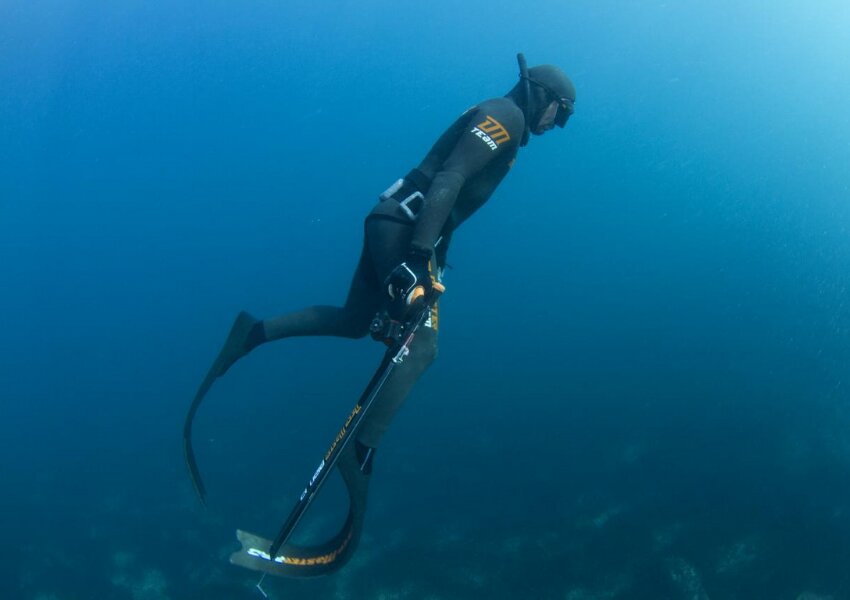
<point x="409" y="283"/>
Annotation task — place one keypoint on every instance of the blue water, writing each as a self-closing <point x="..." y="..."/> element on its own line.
<point x="642" y="389"/>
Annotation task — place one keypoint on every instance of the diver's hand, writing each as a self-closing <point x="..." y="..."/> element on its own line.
<point x="409" y="283"/>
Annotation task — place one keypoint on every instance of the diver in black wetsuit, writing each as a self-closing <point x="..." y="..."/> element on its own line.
<point x="407" y="235"/>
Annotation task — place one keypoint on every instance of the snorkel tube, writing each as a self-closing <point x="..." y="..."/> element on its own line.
<point x="526" y="92"/>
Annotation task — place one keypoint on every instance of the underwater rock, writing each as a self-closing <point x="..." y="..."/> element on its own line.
<point x="664" y="537"/>
<point x="686" y="579"/>
<point x="123" y="560"/>
<point x="600" y="519"/>
<point x="612" y="588"/>
<point x="152" y="585"/>
<point x="580" y="594"/>
<point x="737" y="556"/>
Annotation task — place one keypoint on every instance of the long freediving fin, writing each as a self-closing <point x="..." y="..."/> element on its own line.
<point x="232" y="350"/>
<point x="258" y="553"/>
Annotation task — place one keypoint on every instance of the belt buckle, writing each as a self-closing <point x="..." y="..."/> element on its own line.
<point x="405" y="204"/>
<point x="390" y="191"/>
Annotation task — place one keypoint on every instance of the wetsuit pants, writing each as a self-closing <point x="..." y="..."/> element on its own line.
<point x="385" y="246"/>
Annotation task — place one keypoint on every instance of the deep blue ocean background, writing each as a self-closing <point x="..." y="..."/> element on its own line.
<point x="643" y="382"/>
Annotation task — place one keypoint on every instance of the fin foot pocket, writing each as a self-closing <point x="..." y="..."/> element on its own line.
<point x="323" y="558"/>
<point x="294" y="561"/>
<point x="243" y="338"/>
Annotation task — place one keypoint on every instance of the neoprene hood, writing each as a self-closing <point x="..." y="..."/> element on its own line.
<point x="537" y="88"/>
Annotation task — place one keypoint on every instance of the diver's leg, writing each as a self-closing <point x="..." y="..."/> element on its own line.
<point x="349" y="321"/>
<point x="423" y="351"/>
<point x="355" y="461"/>
<point x="389" y="243"/>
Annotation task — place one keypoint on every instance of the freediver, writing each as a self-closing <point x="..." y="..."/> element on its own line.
<point x="406" y="241"/>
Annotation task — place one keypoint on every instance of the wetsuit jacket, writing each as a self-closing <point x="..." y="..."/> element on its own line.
<point x="461" y="171"/>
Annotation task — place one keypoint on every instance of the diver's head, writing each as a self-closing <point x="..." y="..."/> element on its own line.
<point x="551" y="98"/>
<point x="545" y="95"/>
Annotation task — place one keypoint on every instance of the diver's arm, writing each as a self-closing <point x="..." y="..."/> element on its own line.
<point x="495" y="128"/>
<point x="437" y="207"/>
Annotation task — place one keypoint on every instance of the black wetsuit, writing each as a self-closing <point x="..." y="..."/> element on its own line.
<point x="455" y="179"/>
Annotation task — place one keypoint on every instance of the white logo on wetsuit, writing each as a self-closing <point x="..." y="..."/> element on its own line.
<point x="491" y="132"/>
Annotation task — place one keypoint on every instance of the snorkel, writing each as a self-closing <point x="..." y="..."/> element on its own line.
<point x="553" y="92"/>
<point x="526" y="93"/>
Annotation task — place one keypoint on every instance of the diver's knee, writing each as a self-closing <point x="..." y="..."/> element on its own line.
<point x="357" y="329"/>
<point x="353" y="322"/>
